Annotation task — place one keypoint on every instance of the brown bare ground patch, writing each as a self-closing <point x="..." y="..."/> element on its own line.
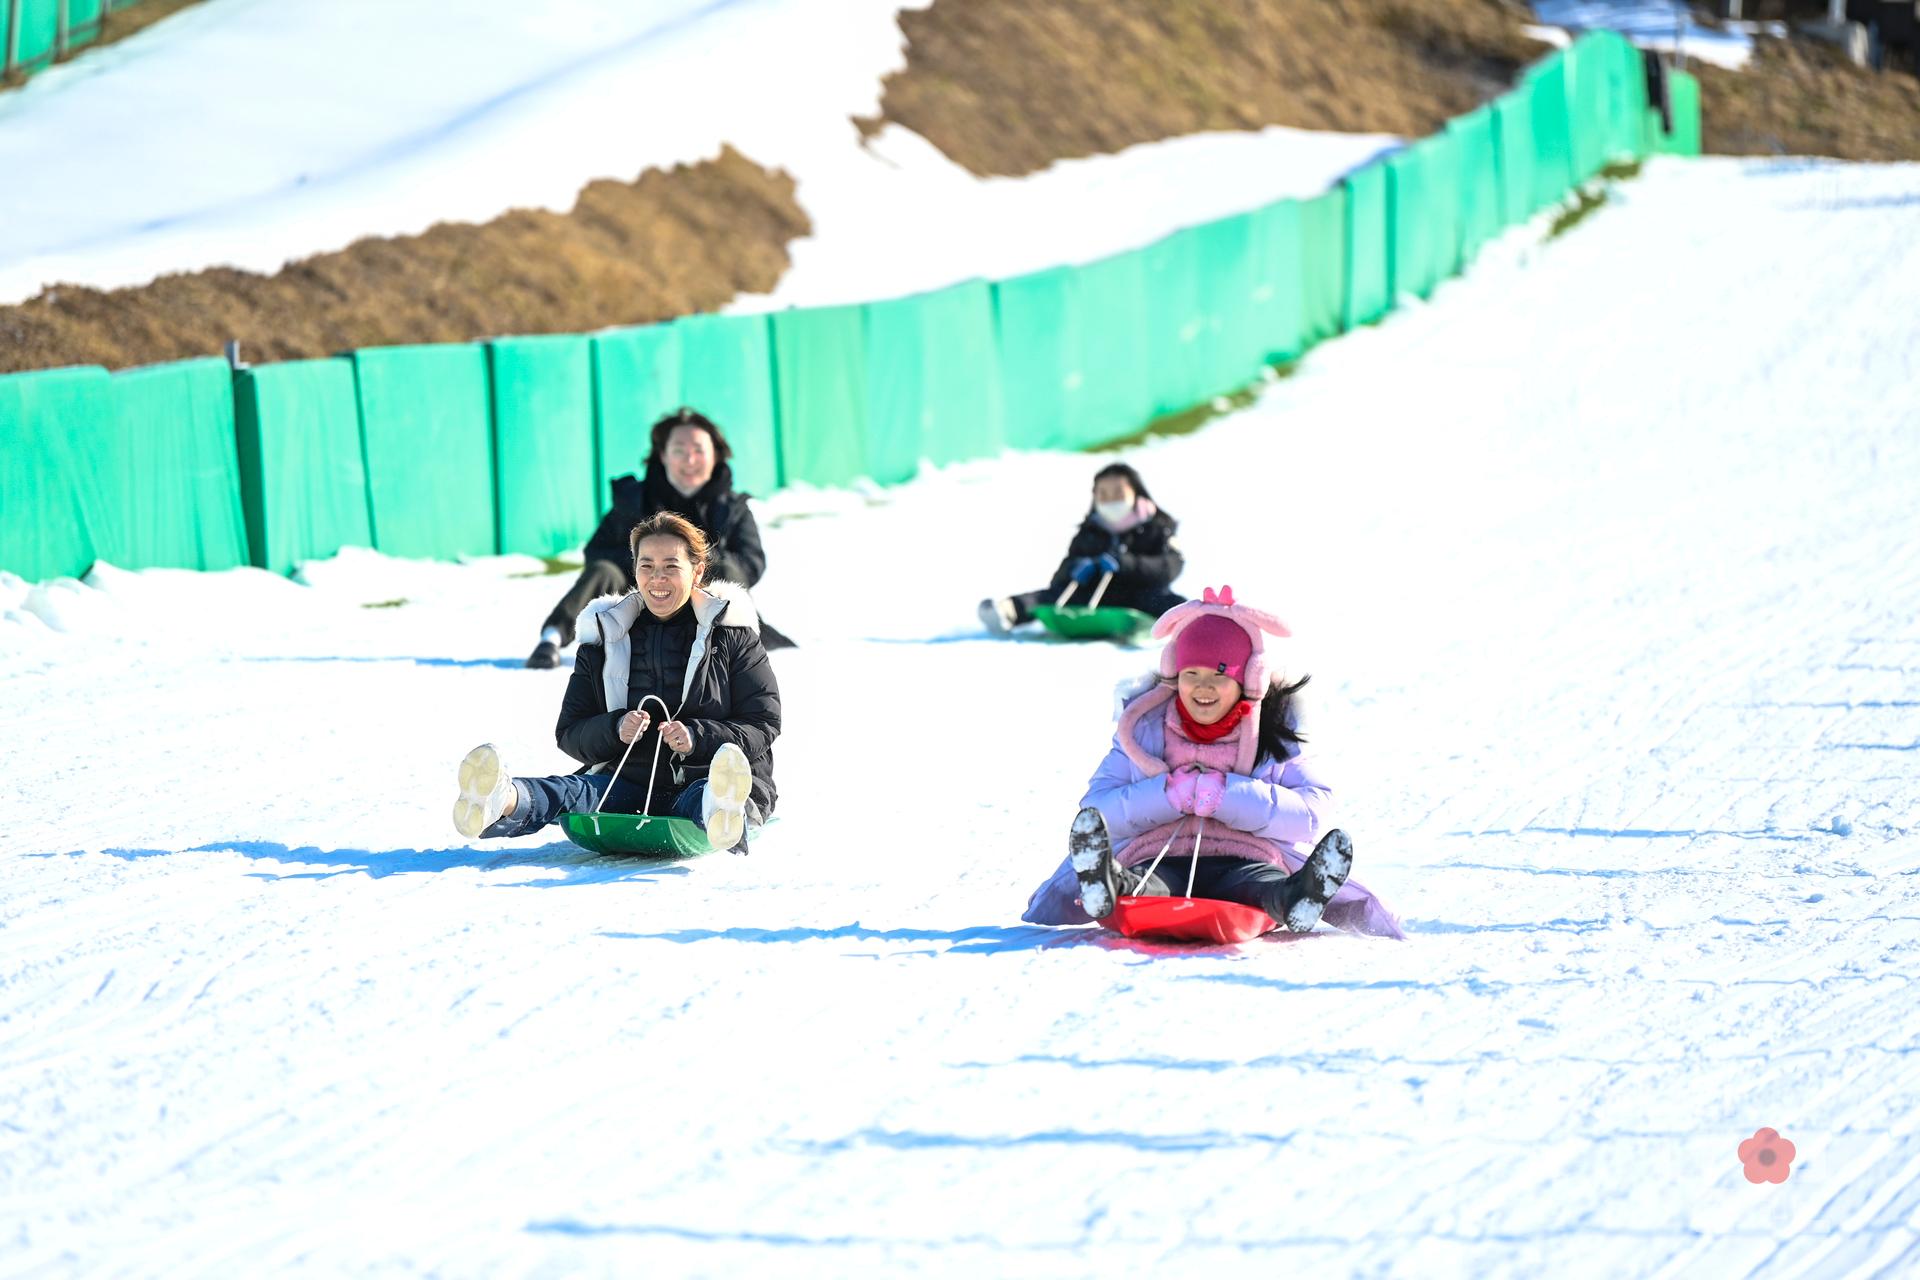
<point x="1010" y="86"/>
<point x="672" y="242"/>
<point x="1803" y="98"/>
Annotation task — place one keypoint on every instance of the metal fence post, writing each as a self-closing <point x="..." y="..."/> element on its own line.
<point x="12" y="59"/>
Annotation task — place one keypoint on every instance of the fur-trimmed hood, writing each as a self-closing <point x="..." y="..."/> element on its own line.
<point x="609" y="620"/>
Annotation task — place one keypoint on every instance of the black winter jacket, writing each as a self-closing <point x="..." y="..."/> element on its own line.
<point x="721" y="513"/>
<point x="1149" y="557"/>
<point x="734" y="698"/>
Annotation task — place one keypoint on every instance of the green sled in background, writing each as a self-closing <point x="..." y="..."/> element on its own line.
<point x="1076" y="622"/>
<point x="635" y="836"/>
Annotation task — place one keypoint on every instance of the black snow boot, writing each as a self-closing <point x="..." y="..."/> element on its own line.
<point x="1103" y="882"/>
<point x="1305" y="893"/>
<point x="545" y="655"/>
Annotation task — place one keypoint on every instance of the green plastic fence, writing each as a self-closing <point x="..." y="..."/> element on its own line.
<point x="933" y="381"/>
<point x="1369" y="247"/>
<point x="454" y="450"/>
<point x="173" y="474"/>
<point x="39" y="26"/>
<point x="426" y="429"/>
<point x="543" y="442"/>
<point x="54" y="512"/>
<point x="303" y="482"/>
<point x="820" y="382"/>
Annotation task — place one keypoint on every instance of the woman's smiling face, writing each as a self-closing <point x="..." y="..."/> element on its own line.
<point x="666" y="572"/>
<point x="1207" y="694"/>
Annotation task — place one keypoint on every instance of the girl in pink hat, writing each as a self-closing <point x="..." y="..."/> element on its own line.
<point x="1209" y="782"/>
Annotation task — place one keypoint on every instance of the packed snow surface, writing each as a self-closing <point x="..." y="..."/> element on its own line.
<point x="1605" y="562"/>
<point x="248" y="133"/>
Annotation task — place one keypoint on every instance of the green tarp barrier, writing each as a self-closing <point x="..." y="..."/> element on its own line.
<point x="1546" y="87"/>
<point x="1037" y="330"/>
<point x="933" y="381"/>
<point x="1232" y="349"/>
<point x="55" y="512"/>
<point x="1683" y="93"/>
<point x="636" y="382"/>
<point x="303" y="484"/>
<point x="427" y="430"/>
<point x="172" y="472"/>
<point x="820" y="390"/>
<point x="543" y="444"/>
<point x="1476" y="154"/>
<point x="1114" y="395"/>
<point x="1276" y="294"/>
<point x="726" y="372"/>
<point x="1369" y="250"/>
<point x="1411" y="210"/>
<point x="1323" y="266"/>
<point x="1179" y="324"/>
<point x="1513" y="131"/>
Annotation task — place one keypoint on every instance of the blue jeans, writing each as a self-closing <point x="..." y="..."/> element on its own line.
<point x="543" y="800"/>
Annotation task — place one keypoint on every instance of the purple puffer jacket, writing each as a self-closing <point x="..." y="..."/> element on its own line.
<point x="1275" y="814"/>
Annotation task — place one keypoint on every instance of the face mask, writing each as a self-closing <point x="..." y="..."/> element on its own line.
<point x="1112" y="513"/>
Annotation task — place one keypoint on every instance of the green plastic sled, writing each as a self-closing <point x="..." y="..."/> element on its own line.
<point x="1076" y="622"/>
<point x="633" y="836"/>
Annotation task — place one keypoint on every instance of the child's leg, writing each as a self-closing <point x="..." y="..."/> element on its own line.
<point x="1155" y="602"/>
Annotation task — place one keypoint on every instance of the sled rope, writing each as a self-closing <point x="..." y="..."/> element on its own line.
<point x="646" y="808"/>
<point x="1193" y="863"/>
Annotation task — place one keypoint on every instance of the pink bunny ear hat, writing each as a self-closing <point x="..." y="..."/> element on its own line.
<point x="1253" y="683"/>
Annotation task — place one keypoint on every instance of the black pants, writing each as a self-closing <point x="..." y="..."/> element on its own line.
<point x="606" y="578"/>
<point x="1241" y="880"/>
<point x="1155" y="602"/>
<point x="599" y="578"/>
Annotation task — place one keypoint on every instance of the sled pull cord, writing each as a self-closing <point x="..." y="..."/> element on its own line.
<point x="1193" y="863"/>
<point x="1094" y="603"/>
<point x="1155" y="864"/>
<point x="617" y="769"/>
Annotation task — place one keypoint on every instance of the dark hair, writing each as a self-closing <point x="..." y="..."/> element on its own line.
<point x="665" y="524"/>
<point x="685" y="417"/>
<point x="1276" y="735"/>
<point x="1126" y="473"/>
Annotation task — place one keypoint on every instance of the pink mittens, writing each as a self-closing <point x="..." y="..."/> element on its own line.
<point x="1191" y="789"/>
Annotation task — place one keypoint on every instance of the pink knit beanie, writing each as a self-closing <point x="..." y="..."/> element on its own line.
<point x="1216" y="643"/>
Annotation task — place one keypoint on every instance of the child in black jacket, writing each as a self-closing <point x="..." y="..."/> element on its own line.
<point x="1124" y="534"/>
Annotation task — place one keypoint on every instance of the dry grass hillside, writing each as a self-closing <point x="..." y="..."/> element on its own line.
<point x="1805" y="99"/>
<point x="1010" y="86"/>
<point x="667" y="244"/>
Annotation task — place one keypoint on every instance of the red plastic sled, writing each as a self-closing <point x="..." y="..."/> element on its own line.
<point x="1188" y="920"/>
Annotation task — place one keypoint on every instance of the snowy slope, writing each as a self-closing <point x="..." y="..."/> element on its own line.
<point x="1605" y="561"/>
<point x="247" y="133"/>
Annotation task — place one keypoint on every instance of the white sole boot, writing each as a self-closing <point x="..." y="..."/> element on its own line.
<point x="485" y="785"/>
<point x="729" y="783"/>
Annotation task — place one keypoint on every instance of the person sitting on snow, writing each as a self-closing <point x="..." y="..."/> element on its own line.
<point x="687" y="473"/>
<point x="1123" y="534"/>
<point x="677" y="663"/>
<point x="1205" y="785"/>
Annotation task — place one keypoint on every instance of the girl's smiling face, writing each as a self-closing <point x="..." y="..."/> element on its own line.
<point x="1207" y="694"/>
<point x="666" y="572"/>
